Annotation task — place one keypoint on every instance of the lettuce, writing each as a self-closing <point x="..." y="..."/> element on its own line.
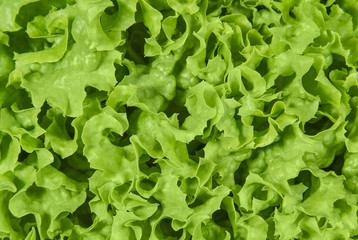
<point x="173" y="119"/>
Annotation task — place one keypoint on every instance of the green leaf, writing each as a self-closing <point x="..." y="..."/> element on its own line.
<point x="10" y="10"/>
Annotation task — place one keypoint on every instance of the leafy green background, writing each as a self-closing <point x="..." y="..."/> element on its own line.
<point x="178" y="119"/>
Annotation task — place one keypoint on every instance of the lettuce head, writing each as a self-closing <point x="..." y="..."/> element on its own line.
<point x="178" y="119"/>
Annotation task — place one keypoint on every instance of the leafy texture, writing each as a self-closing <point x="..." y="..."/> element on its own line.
<point x="178" y="119"/>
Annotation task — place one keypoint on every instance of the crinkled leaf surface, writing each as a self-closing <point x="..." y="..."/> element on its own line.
<point x="178" y="119"/>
